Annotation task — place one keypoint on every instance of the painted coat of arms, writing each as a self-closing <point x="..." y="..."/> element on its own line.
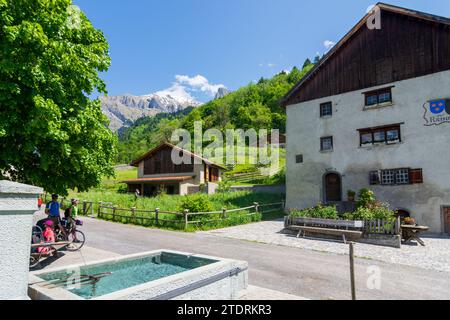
<point x="437" y="112"/>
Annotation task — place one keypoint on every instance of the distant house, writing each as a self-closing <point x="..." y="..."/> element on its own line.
<point x="375" y="113"/>
<point x="157" y="171"/>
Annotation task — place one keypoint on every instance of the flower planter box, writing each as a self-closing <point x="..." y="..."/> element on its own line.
<point x="376" y="232"/>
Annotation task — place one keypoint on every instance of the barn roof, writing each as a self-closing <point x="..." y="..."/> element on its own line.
<point x="383" y="6"/>
<point x="150" y="153"/>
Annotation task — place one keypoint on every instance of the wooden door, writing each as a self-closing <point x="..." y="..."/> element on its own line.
<point x="333" y="188"/>
<point x="447" y="220"/>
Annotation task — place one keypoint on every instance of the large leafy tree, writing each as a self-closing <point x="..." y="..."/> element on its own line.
<point x="51" y="133"/>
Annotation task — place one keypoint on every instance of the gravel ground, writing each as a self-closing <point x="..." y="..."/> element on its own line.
<point x="435" y="256"/>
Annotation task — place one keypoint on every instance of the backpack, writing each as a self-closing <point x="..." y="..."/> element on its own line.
<point x="67" y="212"/>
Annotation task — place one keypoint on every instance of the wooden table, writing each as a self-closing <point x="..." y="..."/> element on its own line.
<point x="410" y="233"/>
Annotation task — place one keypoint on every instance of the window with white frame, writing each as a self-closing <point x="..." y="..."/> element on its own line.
<point x="326" y="144"/>
<point x="388" y="177"/>
<point x="395" y="176"/>
<point x="326" y="109"/>
<point x="377" y="97"/>
<point x="401" y="176"/>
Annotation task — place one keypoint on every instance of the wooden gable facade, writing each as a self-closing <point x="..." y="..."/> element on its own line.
<point x="160" y="162"/>
<point x="408" y="45"/>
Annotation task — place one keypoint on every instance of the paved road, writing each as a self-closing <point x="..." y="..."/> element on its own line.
<point x="311" y="274"/>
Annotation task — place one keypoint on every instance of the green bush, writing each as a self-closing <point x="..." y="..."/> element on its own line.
<point x="224" y="186"/>
<point x="123" y="188"/>
<point x="319" y="211"/>
<point x="366" y="197"/>
<point x="196" y="203"/>
<point x="278" y="178"/>
<point x="374" y="211"/>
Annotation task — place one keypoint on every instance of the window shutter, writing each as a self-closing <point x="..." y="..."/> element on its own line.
<point x="415" y="176"/>
<point x="374" y="177"/>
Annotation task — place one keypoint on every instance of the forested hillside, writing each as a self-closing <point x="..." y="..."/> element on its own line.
<point x="253" y="106"/>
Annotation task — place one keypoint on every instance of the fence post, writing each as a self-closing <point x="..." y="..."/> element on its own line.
<point x="283" y="205"/>
<point x="84" y="208"/>
<point x="186" y="219"/>
<point x="224" y="213"/>
<point x="397" y="226"/>
<point x="157" y="216"/>
<point x="114" y="213"/>
<point x="92" y="209"/>
<point x="256" y="204"/>
<point x="133" y="215"/>
<point x="99" y="212"/>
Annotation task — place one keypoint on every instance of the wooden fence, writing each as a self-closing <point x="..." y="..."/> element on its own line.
<point x="245" y="176"/>
<point x="382" y="227"/>
<point x="180" y="220"/>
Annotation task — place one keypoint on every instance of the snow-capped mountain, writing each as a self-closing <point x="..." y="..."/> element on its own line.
<point x="123" y="110"/>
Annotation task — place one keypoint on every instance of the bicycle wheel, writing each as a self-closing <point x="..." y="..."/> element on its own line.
<point x="34" y="261"/>
<point x="76" y="245"/>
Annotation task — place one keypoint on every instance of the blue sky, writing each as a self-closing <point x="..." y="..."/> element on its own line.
<point x="208" y="43"/>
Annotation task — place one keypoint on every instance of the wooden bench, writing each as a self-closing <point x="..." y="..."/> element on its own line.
<point x="343" y="228"/>
<point x="351" y="234"/>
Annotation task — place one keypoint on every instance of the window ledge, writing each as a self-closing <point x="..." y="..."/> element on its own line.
<point x="379" y="145"/>
<point x="326" y="117"/>
<point x="378" y="106"/>
<point x="326" y="151"/>
<point x="395" y="185"/>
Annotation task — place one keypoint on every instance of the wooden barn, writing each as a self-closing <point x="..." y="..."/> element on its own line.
<point x="173" y="170"/>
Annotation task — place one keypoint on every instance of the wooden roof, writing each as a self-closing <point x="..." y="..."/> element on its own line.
<point x="289" y="98"/>
<point x="150" y="153"/>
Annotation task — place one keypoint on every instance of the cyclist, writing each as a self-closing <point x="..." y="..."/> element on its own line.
<point x="71" y="215"/>
<point x="52" y="210"/>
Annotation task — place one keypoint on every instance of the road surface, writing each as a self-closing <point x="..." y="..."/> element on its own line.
<point x="310" y="274"/>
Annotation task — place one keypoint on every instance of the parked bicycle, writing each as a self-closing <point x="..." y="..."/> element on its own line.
<point x="72" y="235"/>
<point x="70" y="240"/>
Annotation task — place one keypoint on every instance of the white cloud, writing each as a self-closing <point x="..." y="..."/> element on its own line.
<point x="178" y="92"/>
<point x="329" y="44"/>
<point x="185" y="87"/>
<point x="197" y="83"/>
<point x="370" y="8"/>
<point x="269" y="65"/>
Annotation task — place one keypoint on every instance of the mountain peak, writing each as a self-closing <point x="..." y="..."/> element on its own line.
<point x="123" y="110"/>
<point x="222" y="92"/>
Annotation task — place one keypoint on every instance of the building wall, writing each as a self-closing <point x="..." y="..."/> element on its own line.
<point x="421" y="147"/>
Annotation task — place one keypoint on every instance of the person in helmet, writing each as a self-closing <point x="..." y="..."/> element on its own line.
<point x="52" y="209"/>
<point x="49" y="237"/>
<point x="71" y="216"/>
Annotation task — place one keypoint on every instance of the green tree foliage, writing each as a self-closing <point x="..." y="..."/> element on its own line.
<point x="253" y="106"/>
<point x="147" y="133"/>
<point x="51" y="133"/>
<point x="196" y="203"/>
<point x="306" y="63"/>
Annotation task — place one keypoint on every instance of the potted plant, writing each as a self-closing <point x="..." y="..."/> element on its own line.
<point x="409" y="221"/>
<point x="351" y="195"/>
